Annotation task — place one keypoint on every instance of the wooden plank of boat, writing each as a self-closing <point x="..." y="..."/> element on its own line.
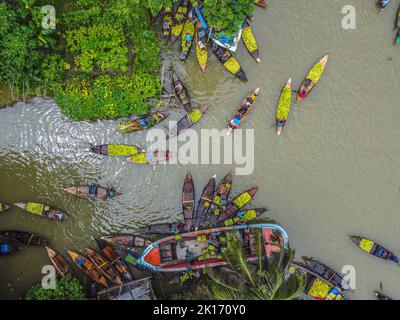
<point x="115" y="150"/>
<point x="151" y="157"/>
<point x="238" y="203"/>
<point x="187" y="39"/>
<point x="141" y="123"/>
<point x="180" y="92"/>
<point x="188" y="204"/>
<point x="374" y="249"/>
<point x="241" y="217"/>
<point x="243" y="111"/>
<point x="115" y="259"/>
<point x="221" y="197"/>
<point x="88" y="268"/>
<point x="22" y="237"/>
<point x="250" y="41"/>
<point x="187" y="121"/>
<point x="166" y="23"/>
<point x="312" y="79"/>
<point x="261" y="3"/>
<point x="179" y="20"/>
<point x="42" y="210"/>
<point x="186" y="251"/>
<point x="59" y="262"/>
<point x="382" y="4"/>
<point x="127" y="240"/>
<point x="92" y="192"/>
<point x="229" y="61"/>
<point x="205" y="202"/>
<point x="7" y="248"/>
<point x="283" y="109"/>
<point x="201" y="46"/>
<point x="162" y="228"/>
<point x="4" y="207"/>
<point x="104" y="266"/>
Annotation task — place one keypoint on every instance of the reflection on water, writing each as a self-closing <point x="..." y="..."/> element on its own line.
<point x="333" y="172"/>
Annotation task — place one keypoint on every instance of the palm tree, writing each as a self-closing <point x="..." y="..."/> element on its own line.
<point x="240" y="280"/>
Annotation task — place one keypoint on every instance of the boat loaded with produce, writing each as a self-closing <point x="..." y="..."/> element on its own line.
<point x="374" y="249"/>
<point x="115" y="150"/>
<point x="187" y="121"/>
<point x="42" y="210"/>
<point x="141" y="123"/>
<point x="283" y="109"/>
<point x="4" y="207"/>
<point x="179" y="20"/>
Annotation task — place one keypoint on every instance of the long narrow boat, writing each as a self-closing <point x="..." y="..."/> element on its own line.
<point x="180" y="92"/>
<point x="88" y="268"/>
<point x="151" y="157"/>
<point x="221" y="197"/>
<point x="380" y="295"/>
<point x="179" y="20"/>
<point x="166" y="23"/>
<point x="250" y="41"/>
<point x="141" y="123"/>
<point x="42" y="210"/>
<point x="187" y="121"/>
<point x="8" y="248"/>
<point x="59" y="262"/>
<point x="238" y="203"/>
<point x="312" y="79"/>
<point x="127" y="241"/>
<point x="104" y="266"/>
<point x="261" y="3"/>
<point x="4" y="207"/>
<point x="283" y="109"/>
<point x="162" y="228"/>
<point x="205" y="202"/>
<point x="22" y="237"/>
<point x="186" y="251"/>
<point x="243" y="111"/>
<point x="241" y="217"/>
<point x="115" y="150"/>
<point x="382" y="4"/>
<point x="201" y="46"/>
<point x="188" y="198"/>
<point x="317" y="288"/>
<point x="187" y="39"/>
<point x="374" y="249"/>
<point x="92" y="192"/>
<point x="229" y="61"/>
<point x="115" y="259"/>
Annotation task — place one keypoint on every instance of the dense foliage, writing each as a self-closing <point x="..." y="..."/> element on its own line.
<point x="226" y="15"/>
<point x="67" y="288"/>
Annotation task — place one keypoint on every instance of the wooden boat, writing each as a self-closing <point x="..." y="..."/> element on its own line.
<point x="188" y="198"/>
<point x="261" y="3"/>
<point x="317" y="288"/>
<point x="187" y="121"/>
<point x="374" y="249"/>
<point x="22" y="237"/>
<point x="162" y="228"/>
<point x="88" y="268"/>
<point x="59" y="262"/>
<point x="151" y="157"/>
<point x="229" y="61"/>
<point x="42" y="210"/>
<point x="127" y="240"/>
<point x="205" y="202"/>
<point x="8" y="248"/>
<point x="238" y="203"/>
<point x="141" y="123"/>
<point x="221" y="197"/>
<point x="312" y="79"/>
<point x="241" y="217"/>
<point x="133" y="290"/>
<point x="201" y="46"/>
<point x="4" y="207"/>
<point x="283" y="109"/>
<point x="92" y="192"/>
<point x="250" y="41"/>
<point x="188" y="31"/>
<point x="115" y="150"/>
<point x="115" y="259"/>
<point x="179" y="20"/>
<point x="243" y="111"/>
<point x="104" y="266"/>
<point x="180" y="92"/>
<point x="382" y="4"/>
<point x="191" y="250"/>
<point x="166" y="23"/>
<point x="380" y="295"/>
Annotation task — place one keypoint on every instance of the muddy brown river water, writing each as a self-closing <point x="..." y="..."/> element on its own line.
<point x="332" y="173"/>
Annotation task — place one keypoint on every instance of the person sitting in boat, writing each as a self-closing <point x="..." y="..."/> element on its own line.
<point x="143" y="122"/>
<point x="188" y="38"/>
<point x="303" y="93"/>
<point x="280" y="123"/>
<point x="166" y="25"/>
<point x="178" y="88"/>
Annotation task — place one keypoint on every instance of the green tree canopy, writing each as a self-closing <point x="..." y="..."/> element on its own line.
<point x="67" y="288"/>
